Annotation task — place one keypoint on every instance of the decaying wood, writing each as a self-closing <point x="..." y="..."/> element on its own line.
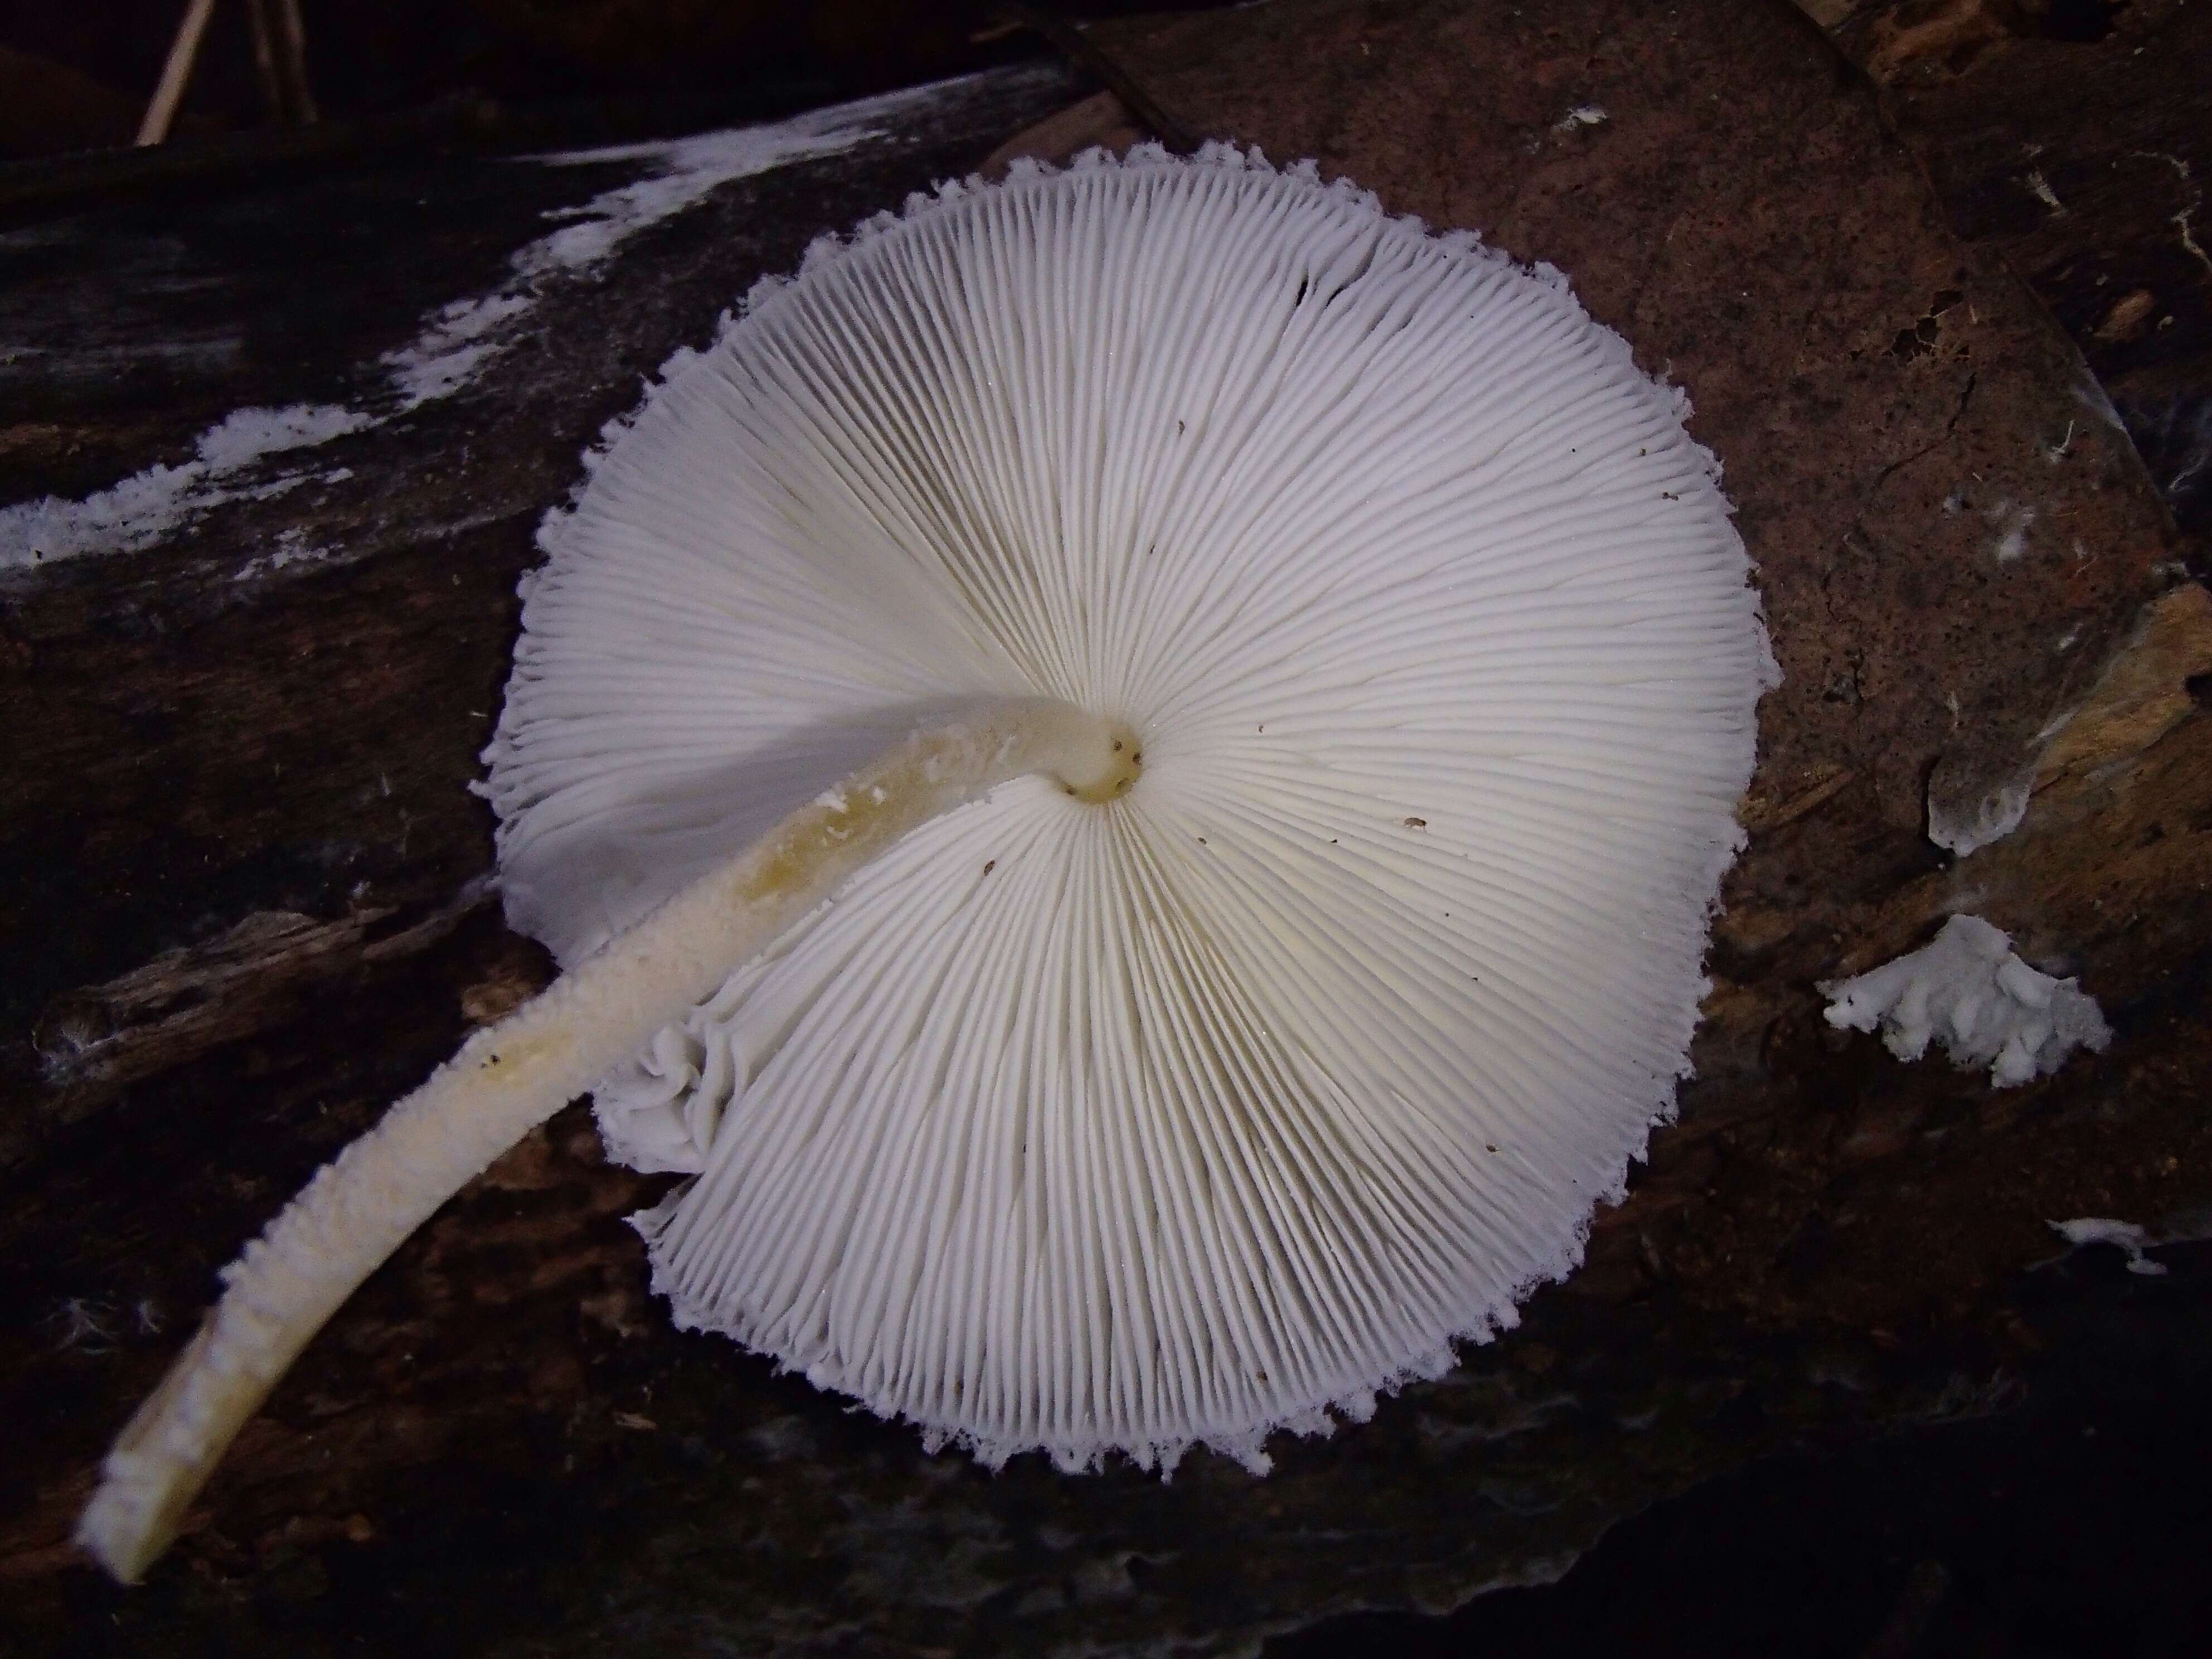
<point x="2151" y="685"/>
<point x="1134" y="94"/>
<point x="93" y="1043"/>
<point x="2074" y="140"/>
<point x="1101" y="121"/>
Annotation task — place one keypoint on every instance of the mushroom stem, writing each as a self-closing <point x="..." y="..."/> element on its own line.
<point x="512" y="1076"/>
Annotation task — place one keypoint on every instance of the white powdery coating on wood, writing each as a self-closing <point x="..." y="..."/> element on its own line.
<point x="146" y="508"/>
<point x="457" y="342"/>
<point x="1967" y="990"/>
<point x="1178" y="1119"/>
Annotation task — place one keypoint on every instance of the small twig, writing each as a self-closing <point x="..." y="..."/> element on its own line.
<point x="264" y="61"/>
<point x="175" y="73"/>
<point x="292" y="62"/>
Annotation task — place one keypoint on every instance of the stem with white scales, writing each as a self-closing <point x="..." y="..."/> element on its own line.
<point x="512" y="1076"/>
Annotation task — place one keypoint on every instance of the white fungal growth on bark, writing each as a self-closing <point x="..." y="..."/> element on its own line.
<point x="1964" y="828"/>
<point x="1340" y="945"/>
<point x="1966" y="989"/>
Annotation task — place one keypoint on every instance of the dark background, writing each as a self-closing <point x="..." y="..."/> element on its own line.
<point x="73" y="76"/>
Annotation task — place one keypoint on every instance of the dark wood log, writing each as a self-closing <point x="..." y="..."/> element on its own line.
<point x="2073" y="139"/>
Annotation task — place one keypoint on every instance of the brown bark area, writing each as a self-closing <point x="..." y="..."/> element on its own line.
<point x="2074" y="141"/>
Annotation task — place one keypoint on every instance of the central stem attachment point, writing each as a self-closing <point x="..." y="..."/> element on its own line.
<point x="1104" y="767"/>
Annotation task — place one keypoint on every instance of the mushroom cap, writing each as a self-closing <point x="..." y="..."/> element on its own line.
<point x="1193" y="1115"/>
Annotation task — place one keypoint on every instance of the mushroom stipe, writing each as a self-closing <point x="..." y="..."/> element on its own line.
<point x="1134" y="1146"/>
<point x="363" y="1205"/>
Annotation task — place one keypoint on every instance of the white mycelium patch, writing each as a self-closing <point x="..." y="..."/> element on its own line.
<point x="138" y="512"/>
<point x="1965" y="827"/>
<point x="1185" y="1117"/>
<point x="2122" y="1235"/>
<point x="1966" y="989"/>
<point x="456" y="344"/>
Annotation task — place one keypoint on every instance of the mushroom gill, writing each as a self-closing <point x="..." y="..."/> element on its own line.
<point x="1116" y="1106"/>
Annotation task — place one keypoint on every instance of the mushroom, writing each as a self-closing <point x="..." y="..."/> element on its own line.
<point x="1314" y="671"/>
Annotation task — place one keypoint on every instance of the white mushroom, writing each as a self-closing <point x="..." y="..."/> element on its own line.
<point x="1170" y="1093"/>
